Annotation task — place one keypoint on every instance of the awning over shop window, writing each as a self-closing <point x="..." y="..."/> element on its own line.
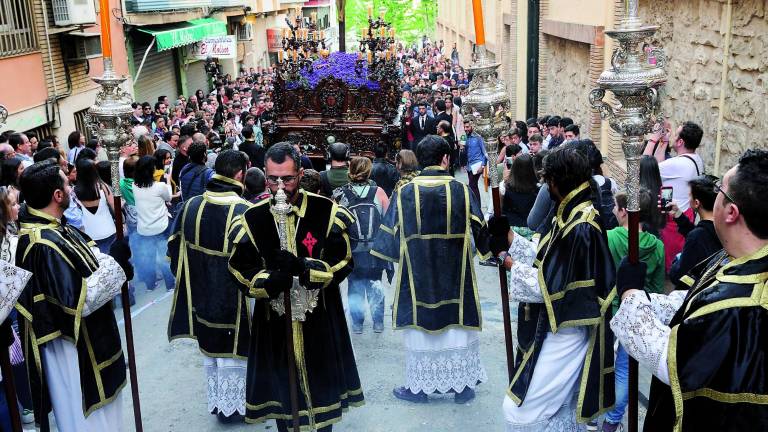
<point x="189" y="32"/>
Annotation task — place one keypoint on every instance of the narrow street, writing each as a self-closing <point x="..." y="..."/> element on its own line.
<point x="173" y="389"/>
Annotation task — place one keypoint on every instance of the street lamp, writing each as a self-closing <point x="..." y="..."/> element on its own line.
<point x="634" y="78"/>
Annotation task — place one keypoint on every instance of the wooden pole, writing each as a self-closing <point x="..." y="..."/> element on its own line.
<point x="127" y="320"/>
<point x="6" y="334"/>
<point x="292" y="380"/>
<point x="504" y="293"/>
<point x="634" y="258"/>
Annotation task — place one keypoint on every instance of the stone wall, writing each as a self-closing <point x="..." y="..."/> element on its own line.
<point x="692" y="32"/>
<point x="567" y="81"/>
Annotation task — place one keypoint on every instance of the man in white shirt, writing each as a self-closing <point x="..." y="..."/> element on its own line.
<point x="676" y="172"/>
<point x="22" y="147"/>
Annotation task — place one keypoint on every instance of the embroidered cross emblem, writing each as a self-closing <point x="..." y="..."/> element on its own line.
<point x="309" y="242"/>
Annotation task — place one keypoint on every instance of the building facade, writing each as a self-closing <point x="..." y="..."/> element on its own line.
<point x="553" y="51"/>
<point x="48" y="52"/>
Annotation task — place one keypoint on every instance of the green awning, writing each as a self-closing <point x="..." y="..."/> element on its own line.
<point x="185" y="33"/>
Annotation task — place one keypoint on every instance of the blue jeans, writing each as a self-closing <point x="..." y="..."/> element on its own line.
<point x="358" y="288"/>
<point x="622" y="387"/>
<point x="105" y="244"/>
<point x="150" y="257"/>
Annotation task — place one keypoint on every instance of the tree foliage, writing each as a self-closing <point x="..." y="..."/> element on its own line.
<point x="411" y="19"/>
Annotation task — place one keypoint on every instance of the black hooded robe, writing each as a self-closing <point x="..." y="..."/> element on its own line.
<point x="327" y="372"/>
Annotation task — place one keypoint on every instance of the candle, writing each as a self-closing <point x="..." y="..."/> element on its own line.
<point x="477" y="11"/>
<point x="381" y="12"/>
<point x="392" y="33"/>
<point x="388" y="54"/>
<point x="106" y="31"/>
<point x="314" y="16"/>
<point x="280" y="56"/>
<point x="370" y="56"/>
<point x="322" y="34"/>
<point x="295" y="55"/>
<point x="382" y="32"/>
<point x="370" y="11"/>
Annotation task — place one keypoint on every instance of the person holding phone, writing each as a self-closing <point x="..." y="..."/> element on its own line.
<point x="701" y="240"/>
<point x="676" y="172"/>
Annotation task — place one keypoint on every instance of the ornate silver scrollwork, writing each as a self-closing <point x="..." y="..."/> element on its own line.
<point x="596" y="101"/>
<point x="633" y="81"/>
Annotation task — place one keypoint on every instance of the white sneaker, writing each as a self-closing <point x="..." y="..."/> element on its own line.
<point x="27" y="416"/>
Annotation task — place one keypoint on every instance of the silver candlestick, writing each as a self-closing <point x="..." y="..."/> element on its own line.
<point x="634" y="80"/>
<point x="303" y="300"/>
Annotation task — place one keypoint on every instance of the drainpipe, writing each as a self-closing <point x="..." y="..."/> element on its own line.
<point x="724" y="78"/>
<point x="50" y="62"/>
<point x="146" y="53"/>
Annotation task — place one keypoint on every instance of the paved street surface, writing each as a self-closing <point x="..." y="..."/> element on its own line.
<point x="173" y="390"/>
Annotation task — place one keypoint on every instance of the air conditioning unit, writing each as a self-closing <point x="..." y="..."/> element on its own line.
<point x="245" y="32"/>
<point x="82" y="46"/>
<point x="73" y="12"/>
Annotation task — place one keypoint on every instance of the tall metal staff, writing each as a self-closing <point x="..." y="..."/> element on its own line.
<point x="634" y="79"/>
<point x="109" y="119"/>
<point x="280" y="210"/>
<point x="485" y="106"/>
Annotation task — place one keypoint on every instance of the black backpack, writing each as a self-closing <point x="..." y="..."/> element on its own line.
<point x="367" y="222"/>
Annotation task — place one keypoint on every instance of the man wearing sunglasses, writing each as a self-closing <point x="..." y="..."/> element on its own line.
<point x="319" y="256"/>
<point x="706" y="342"/>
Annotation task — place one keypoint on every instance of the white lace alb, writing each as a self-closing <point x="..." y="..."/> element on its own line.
<point x="443" y="370"/>
<point x="643" y="333"/>
<point x="12" y="282"/>
<point x="226" y="385"/>
<point x="523" y="276"/>
<point x="564" y="420"/>
<point x="103" y="284"/>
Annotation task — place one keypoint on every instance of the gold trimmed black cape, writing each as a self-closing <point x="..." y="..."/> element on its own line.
<point x="576" y="275"/>
<point x="207" y="303"/>
<point x="51" y="306"/>
<point x="718" y="351"/>
<point x="430" y="230"/>
<point x="327" y="373"/>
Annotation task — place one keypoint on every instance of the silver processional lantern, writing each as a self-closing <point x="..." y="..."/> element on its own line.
<point x="634" y="78"/>
<point x="485" y="105"/>
<point x="109" y="118"/>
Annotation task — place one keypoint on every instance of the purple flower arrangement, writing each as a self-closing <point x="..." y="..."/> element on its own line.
<point x="339" y="65"/>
